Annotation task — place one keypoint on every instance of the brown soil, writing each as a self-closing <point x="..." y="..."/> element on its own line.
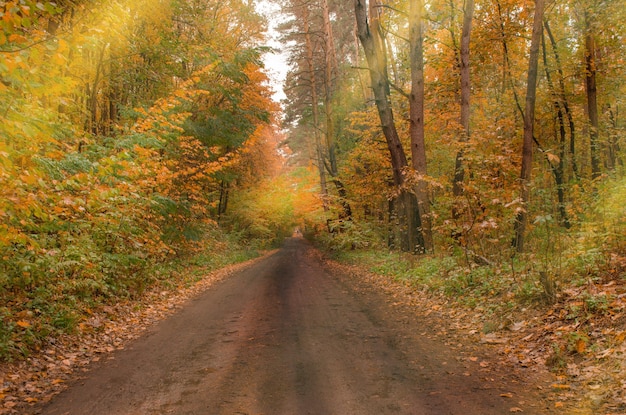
<point x="289" y="336"/>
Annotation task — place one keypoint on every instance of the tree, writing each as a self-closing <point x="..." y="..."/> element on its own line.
<point x="371" y="36"/>
<point x="459" y="169"/>
<point x="592" y="96"/>
<point x="423" y="237"/>
<point x="529" y="122"/>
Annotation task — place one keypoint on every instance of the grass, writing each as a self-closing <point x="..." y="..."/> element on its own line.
<point x="54" y="308"/>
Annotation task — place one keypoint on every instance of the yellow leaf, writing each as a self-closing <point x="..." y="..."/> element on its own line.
<point x="553" y="157"/>
<point x="23" y="324"/>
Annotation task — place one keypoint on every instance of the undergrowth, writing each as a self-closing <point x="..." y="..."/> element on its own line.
<point x="56" y="306"/>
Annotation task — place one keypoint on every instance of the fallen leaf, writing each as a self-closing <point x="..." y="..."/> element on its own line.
<point x="516" y="409"/>
<point x="23" y="324"/>
<point x="604" y="353"/>
<point x="506" y="395"/>
<point x="559" y="404"/>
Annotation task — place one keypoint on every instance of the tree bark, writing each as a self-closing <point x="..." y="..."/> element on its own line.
<point x="558" y="169"/>
<point x="314" y="105"/>
<point x="370" y="35"/>
<point x="529" y="121"/>
<point x="420" y="234"/>
<point x="329" y="103"/>
<point x="459" y="169"/>
<point x="592" y="99"/>
<point x="373" y="46"/>
<point x="564" y="101"/>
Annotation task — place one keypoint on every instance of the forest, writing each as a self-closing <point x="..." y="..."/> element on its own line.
<point x="472" y="147"/>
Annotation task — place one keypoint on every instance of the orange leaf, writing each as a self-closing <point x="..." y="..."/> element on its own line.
<point x="23" y="324"/>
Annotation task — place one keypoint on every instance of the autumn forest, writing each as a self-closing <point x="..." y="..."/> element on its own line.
<point x="471" y="147"/>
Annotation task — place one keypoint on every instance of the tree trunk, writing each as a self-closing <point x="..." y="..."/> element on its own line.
<point x="373" y="45"/>
<point x="419" y="233"/>
<point x="329" y="103"/>
<point x="319" y="152"/>
<point x="564" y="101"/>
<point x="558" y="169"/>
<point x="592" y="100"/>
<point x="369" y="33"/>
<point x="223" y="202"/>
<point x="529" y="121"/>
<point x="459" y="169"/>
<point x="329" y="72"/>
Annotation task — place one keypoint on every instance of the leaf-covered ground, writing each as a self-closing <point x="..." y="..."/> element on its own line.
<point x="579" y="341"/>
<point x="44" y="374"/>
<point x="577" y="345"/>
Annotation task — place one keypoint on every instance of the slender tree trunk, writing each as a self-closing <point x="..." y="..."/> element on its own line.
<point x="459" y="169"/>
<point x="564" y="101"/>
<point x="558" y="169"/>
<point x="420" y="235"/>
<point x="592" y="100"/>
<point x="92" y="100"/>
<point x="506" y="72"/>
<point x="223" y="202"/>
<point x="329" y="72"/>
<point x="370" y="35"/>
<point x="372" y="41"/>
<point x="529" y="121"/>
<point x="329" y="103"/>
<point x="319" y="151"/>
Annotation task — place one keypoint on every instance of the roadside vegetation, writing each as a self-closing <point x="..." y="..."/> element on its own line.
<point x="132" y="137"/>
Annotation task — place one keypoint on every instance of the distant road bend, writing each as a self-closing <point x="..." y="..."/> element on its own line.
<point x="285" y="336"/>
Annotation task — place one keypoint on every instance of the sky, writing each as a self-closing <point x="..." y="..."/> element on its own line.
<point x="275" y="63"/>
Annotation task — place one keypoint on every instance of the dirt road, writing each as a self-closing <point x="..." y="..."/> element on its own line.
<point x="286" y="337"/>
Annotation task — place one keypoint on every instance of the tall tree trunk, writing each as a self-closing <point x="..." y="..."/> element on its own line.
<point x="373" y="45"/>
<point x="420" y="234"/>
<point x="370" y="35"/>
<point x="558" y="169"/>
<point x="592" y="100"/>
<point x="459" y="169"/>
<point x="319" y="152"/>
<point x="564" y="101"/>
<point x="529" y="122"/>
<point x="329" y="103"/>
<point x="506" y="71"/>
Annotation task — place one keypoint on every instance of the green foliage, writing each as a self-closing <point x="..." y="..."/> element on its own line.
<point x="350" y="235"/>
<point x="263" y="215"/>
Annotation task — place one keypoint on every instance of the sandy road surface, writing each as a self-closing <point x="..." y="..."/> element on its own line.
<point x="286" y="337"/>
